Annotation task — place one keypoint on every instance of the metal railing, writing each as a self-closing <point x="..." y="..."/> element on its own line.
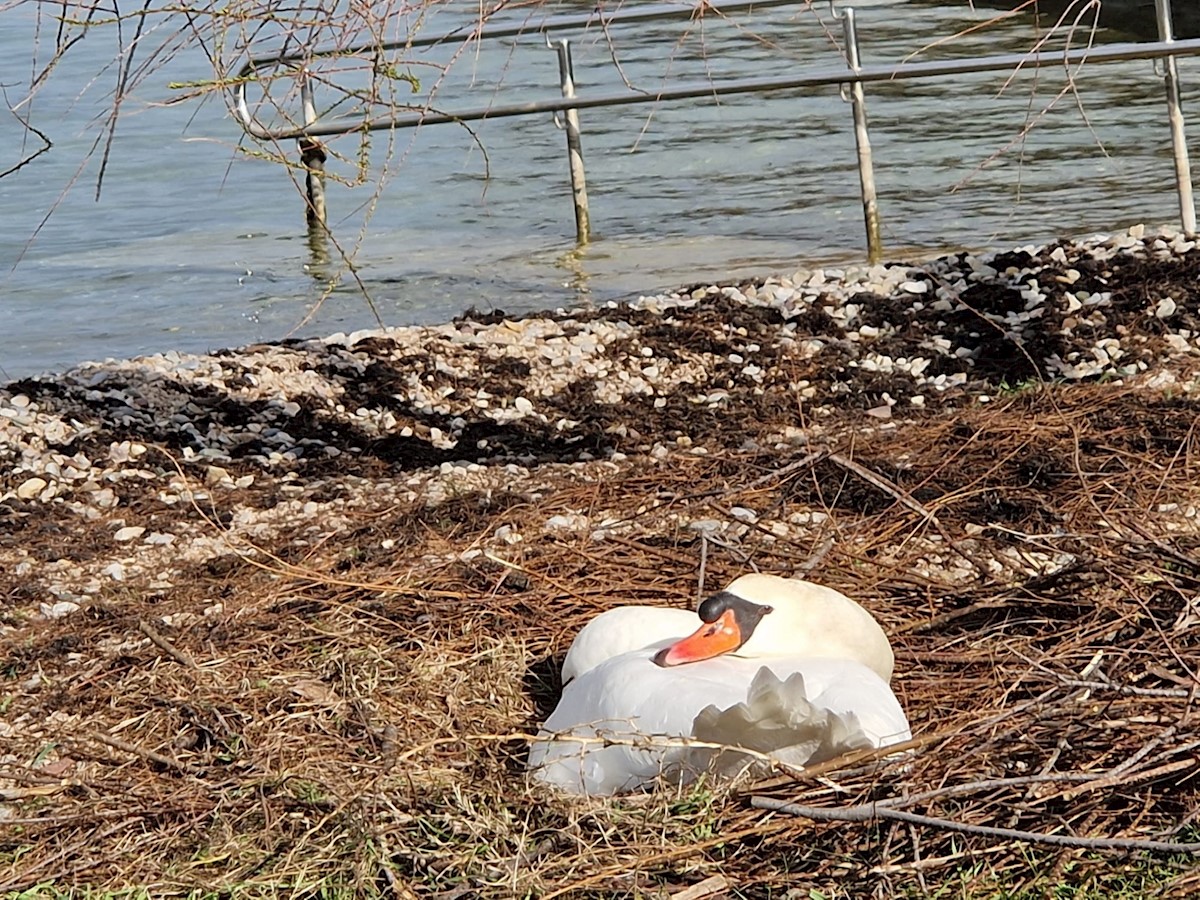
<point x="855" y="76"/>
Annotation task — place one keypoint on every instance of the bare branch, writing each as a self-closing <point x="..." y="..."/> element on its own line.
<point x="871" y="812"/>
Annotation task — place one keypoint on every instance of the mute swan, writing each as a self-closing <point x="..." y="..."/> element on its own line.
<point x="778" y="665"/>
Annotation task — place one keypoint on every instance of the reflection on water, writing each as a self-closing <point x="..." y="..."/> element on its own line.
<point x="192" y="246"/>
<point x="320" y="262"/>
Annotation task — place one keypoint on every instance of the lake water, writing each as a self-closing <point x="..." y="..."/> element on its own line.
<point x="192" y="245"/>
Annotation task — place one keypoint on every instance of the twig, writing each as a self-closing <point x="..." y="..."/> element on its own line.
<point x="1176" y="693"/>
<point x="1120" y="779"/>
<point x="888" y="487"/>
<point x="650" y="549"/>
<point x="1088" y="781"/>
<point x="990" y="784"/>
<point x="546" y="578"/>
<point x="810" y="460"/>
<point x="35" y="777"/>
<point x="148" y="755"/>
<point x="714" y="884"/>
<point x="9" y="795"/>
<point x="817" y="556"/>
<point x="871" y="812"/>
<point x="1149" y="747"/>
<point x="28" y="877"/>
<point x="743" y="556"/>
<point x="1177" y="555"/>
<point x="906" y="499"/>
<point x="920" y="627"/>
<point x="166" y="646"/>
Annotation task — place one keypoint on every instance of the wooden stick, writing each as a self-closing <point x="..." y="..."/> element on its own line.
<point x="148" y="755"/>
<point x="906" y="499"/>
<point x="871" y="812"/>
<point x="166" y="646"/>
<point x="810" y="460"/>
<point x="715" y="884"/>
<point x="885" y="485"/>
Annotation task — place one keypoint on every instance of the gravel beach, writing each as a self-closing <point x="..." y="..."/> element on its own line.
<point x="305" y="431"/>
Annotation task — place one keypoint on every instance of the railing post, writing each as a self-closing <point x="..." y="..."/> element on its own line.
<point x="1183" y="169"/>
<point x="566" y="77"/>
<point x="312" y="157"/>
<point x="862" y="139"/>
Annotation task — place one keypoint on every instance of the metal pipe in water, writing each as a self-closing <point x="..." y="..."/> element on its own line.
<point x="862" y="139"/>
<point x="312" y="157"/>
<point x="1183" y="169"/>
<point x="566" y="77"/>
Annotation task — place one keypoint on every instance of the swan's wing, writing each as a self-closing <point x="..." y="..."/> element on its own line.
<point x="817" y="710"/>
<point x="621" y="630"/>
<point x="860" y="691"/>
<point x="618" y="725"/>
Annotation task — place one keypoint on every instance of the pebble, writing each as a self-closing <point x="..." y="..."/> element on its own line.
<point x="569" y="522"/>
<point x="58" y="610"/>
<point x="30" y="488"/>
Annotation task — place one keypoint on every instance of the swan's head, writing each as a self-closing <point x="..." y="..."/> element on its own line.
<point x="729" y="621"/>
<point x="805" y="620"/>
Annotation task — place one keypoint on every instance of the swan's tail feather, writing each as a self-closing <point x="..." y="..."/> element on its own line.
<point x="779" y="719"/>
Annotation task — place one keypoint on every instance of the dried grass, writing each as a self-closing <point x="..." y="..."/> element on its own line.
<point x="343" y="721"/>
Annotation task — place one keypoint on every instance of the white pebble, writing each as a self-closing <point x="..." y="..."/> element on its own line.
<point x="30" y="488"/>
<point x="58" y="610"/>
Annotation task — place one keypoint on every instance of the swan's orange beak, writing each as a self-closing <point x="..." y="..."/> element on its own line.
<point x="712" y="639"/>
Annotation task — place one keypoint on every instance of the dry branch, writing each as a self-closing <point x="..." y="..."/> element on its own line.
<point x="869" y="813"/>
<point x="166" y="646"/>
<point x="141" y="752"/>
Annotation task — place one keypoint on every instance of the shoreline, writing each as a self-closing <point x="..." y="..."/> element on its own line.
<point x="665" y="374"/>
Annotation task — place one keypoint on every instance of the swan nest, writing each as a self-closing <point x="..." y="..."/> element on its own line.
<point x="279" y="620"/>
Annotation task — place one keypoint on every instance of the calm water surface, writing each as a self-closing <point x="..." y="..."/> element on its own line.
<point x="194" y="246"/>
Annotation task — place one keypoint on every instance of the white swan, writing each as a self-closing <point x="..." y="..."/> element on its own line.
<point x="780" y="666"/>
